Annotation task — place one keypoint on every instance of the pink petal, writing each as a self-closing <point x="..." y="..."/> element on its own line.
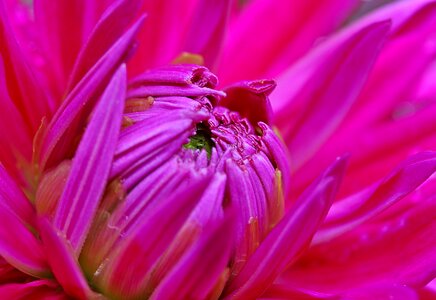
<point x="9" y="274"/>
<point x="63" y="262"/>
<point x="127" y="268"/>
<point x="250" y="100"/>
<point x="35" y="290"/>
<point x="354" y="210"/>
<point x="15" y="141"/>
<point x="208" y="29"/>
<point x="165" y="29"/>
<point x="398" y="249"/>
<point x="23" y="87"/>
<point x="392" y="292"/>
<point x="68" y="121"/>
<point x="306" y="113"/>
<point x="65" y="27"/>
<point x="264" y="39"/>
<point x="14" y="200"/>
<point x="17" y="244"/>
<point x="194" y="276"/>
<point x="91" y="164"/>
<point x="389" y="103"/>
<point x="114" y="22"/>
<point x="288" y="238"/>
<point x="20" y="247"/>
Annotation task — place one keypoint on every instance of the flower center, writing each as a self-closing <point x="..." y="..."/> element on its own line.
<point x="202" y="139"/>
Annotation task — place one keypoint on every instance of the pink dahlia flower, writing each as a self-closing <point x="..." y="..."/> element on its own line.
<point x="129" y="172"/>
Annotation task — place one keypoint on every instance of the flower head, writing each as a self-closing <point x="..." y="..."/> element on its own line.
<point x="128" y="171"/>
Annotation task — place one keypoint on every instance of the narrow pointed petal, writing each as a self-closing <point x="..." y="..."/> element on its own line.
<point x="395" y="249"/>
<point x="65" y="27"/>
<point x="128" y="266"/>
<point x="393" y="116"/>
<point x="306" y="115"/>
<point x="199" y="269"/>
<point x="114" y="22"/>
<point x="10" y="274"/>
<point x="20" y="247"/>
<point x="15" y="141"/>
<point x="354" y="210"/>
<point x="69" y="119"/>
<point x="207" y="31"/>
<point x="23" y="87"/>
<point x="280" y="40"/>
<point x="35" y="290"/>
<point x="91" y="164"/>
<point x="14" y="200"/>
<point x="63" y="262"/>
<point x="161" y="38"/>
<point x="288" y="238"/>
<point x="392" y="292"/>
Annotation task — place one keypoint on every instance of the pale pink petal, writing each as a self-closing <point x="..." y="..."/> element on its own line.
<point x="91" y="164"/>
<point x="288" y="238"/>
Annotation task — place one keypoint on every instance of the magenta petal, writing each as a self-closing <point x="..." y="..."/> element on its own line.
<point x="354" y="210"/>
<point x="395" y="292"/>
<point x="19" y="246"/>
<point x="111" y="26"/>
<point x="15" y="141"/>
<point x="397" y="248"/>
<point x="268" y="36"/>
<point x="35" y="290"/>
<point x="199" y="269"/>
<point x="23" y="87"/>
<point x="250" y="99"/>
<point x="13" y="199"/>
<point x="63" y="262"/>
<point x="288" y="238"/>
<point x="207" y="31"/>
<point x="160" y="39"/>
<point x="303" y="99"/>
<point x="91" y="164"/>
<point x="69" y="119"/>
<point x="64" y="28"/>
<point x="128" y="266"/>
